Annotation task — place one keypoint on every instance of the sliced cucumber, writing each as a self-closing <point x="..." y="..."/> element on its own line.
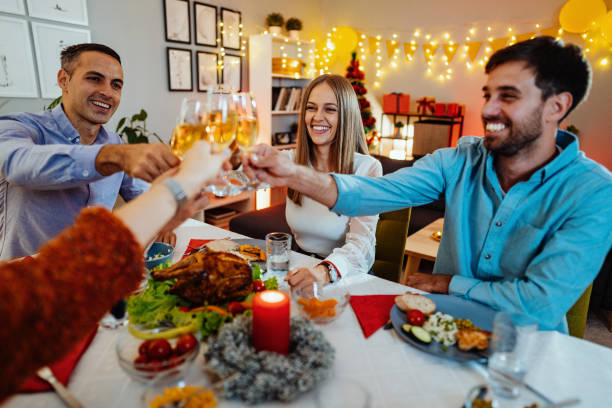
<point x="420" y="334"/>
<point x="406" y="327"/>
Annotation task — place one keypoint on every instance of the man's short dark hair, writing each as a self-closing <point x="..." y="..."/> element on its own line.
<point x="558" y="68"/>
<point x="70" y="54"/>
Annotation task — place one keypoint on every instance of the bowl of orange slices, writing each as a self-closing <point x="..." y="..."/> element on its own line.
<point x="321" y="304"/>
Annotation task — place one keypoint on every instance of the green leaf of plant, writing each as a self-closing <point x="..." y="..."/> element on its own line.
<point x="131" y="135"/>
<point x="143" y="115"/>
<point x="120" y="124"/>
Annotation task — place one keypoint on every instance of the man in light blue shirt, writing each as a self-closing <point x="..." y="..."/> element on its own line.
<point x="54" y="163"/>
<point x="528" y="217"/>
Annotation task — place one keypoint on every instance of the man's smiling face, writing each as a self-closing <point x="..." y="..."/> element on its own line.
<point x="512" y="113"/>
<point x="92" y="91"/>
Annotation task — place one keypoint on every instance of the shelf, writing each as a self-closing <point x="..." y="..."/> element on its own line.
<point x="284" y="39"/>
<point x="285" y="76"/>
<point x="281" y="113"/>
<point x="222" y="201"/>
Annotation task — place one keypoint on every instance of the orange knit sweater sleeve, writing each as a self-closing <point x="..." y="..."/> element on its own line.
<point x="50" y="302"/>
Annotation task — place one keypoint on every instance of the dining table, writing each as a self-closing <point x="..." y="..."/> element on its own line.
<point x="380" y="371"/>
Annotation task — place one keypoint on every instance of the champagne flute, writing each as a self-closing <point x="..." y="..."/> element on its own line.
<point x="246" y="134"/>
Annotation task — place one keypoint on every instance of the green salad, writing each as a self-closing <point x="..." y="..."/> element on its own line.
<point x="155" y="307"/>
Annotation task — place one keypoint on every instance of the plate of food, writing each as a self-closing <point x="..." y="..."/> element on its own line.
<point x="442" y="325"/>
<point x="253" y="250"/>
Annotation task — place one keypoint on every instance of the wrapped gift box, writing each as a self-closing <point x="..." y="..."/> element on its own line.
<point x="426" y="105"/>
<point x="396" y="103"/>
<point x="440" y="109"/>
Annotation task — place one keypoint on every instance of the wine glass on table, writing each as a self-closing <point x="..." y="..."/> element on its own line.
<point x="247" y="131"/>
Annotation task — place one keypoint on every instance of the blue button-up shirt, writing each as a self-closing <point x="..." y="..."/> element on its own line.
<point x="47" y="177"/>
<point x="531" y="251"/>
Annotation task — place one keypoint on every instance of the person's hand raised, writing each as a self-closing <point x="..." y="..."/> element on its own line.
<point x="267" y="164"/>
<point x="142" y="160"/>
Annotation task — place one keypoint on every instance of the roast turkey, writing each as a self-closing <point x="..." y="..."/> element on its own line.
<point x="210" y="277"/>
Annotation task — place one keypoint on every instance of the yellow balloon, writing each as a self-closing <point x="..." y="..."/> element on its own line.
<point x="345" y="41"/>
<point x="606" y="26"/>
<point x="577" y="15"/>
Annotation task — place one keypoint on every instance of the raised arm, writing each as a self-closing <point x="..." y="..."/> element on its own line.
<point x="63" y="292"/>
<point x="276" y="169"/>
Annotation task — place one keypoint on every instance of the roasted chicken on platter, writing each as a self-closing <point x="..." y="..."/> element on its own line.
<point x="210" y="277"/>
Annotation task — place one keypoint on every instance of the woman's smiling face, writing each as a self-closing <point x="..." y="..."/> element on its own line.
<point x="321" y="115"/>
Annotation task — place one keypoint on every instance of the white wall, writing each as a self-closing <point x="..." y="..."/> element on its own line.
<point x="135" y="29"/>
<point x="402" y="17"/>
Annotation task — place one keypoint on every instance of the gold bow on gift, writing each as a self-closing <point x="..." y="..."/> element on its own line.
<point x="426" y="106"/>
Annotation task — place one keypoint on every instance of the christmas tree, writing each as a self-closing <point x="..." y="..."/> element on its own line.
<point x="356" y="78"/>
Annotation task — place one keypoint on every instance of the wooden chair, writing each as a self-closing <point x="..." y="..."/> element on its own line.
<point x="391" y="232"/>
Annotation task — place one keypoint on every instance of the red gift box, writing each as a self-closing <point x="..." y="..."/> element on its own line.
<point x="440" y="109"/>
<point x="396" y="102"/>
<point x="452" y="109"/>
<point x="426" y="105"/>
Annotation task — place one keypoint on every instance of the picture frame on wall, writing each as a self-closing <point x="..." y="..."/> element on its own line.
<point x="230" y="31"/>
<point x="17" y="76"/>
<point x="12" y="6"/>
<point x="207" y="71"/>
<point x="177" y="22"/>
<point x="65" y="11"/>
<point x="232" y="71"/>
<point x="179" y="69"/>
<point x="49" y="41"/>
<point x="205" y="18"/>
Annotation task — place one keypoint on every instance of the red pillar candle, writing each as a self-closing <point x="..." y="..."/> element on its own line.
<point x="271" y="321"/>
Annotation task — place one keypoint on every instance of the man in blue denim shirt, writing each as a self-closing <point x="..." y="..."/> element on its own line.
<point x="528" y="217"/>
<point x="54" y="163"/>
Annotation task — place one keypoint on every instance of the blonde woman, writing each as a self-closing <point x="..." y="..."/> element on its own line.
<point x="331" y="139"/>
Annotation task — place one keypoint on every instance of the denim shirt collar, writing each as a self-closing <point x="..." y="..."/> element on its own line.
<point x="566" y="141"/>
<point x="69" y="132"/>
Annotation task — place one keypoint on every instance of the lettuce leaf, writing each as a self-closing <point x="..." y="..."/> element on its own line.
<point x="154" y="306"/>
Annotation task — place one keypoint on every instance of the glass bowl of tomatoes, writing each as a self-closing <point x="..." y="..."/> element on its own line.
<point x="144" y="360"/>
<point x="321" y="304"/>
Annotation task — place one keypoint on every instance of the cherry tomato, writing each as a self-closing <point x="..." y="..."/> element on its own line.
<point x="143" y="349"/>
<point x="141" y="359"/>
<point x="159" y="349"/>
<point x="186" y="343"/>
<point x="235" y="308"/>
<point x="415" y="317"/>
<point x="183" y="309"/>
<point x="258" y="286"/>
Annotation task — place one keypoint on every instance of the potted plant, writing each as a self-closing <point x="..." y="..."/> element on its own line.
<point x="398" y="129"/>
<point x="275" y="21"/>
<point x="136" y="131"/>
<point x="293" y="26"/>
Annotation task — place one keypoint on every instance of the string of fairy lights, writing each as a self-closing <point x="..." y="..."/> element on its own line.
<point x="221" y="51"/>
<point x="474" y="50"/>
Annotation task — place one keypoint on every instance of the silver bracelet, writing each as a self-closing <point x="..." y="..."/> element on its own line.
<point x="177" y="191"/>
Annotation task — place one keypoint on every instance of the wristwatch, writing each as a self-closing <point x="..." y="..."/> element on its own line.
<point x="332" y="272"/>
<point x="177" y="191"/>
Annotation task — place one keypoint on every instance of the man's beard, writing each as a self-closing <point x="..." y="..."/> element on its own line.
<point x="522" y="134"/>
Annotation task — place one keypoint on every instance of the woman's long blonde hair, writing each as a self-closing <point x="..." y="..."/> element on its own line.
<point x="349" y="137"/>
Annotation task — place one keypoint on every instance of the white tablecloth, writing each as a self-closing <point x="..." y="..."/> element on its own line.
<point x="382" y="370"/>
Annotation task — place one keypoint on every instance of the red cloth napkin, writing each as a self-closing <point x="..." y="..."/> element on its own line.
<point x="372" y="311"/>
<point x="62" y="369"/>
<point x="194" y="246"/>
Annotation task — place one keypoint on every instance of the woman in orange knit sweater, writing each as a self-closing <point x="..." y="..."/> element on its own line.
<point x="50" y="302"/>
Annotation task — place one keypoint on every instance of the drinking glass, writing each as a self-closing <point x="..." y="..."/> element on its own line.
<point x="507" y="365"/>
<point x="246" y="134"/>
<point x="278" y="247"/>
<point x="212" y="117"/>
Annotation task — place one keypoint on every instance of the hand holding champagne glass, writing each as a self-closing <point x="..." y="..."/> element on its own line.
<point x="246" y="134"/>
<point x="213" y="118"/>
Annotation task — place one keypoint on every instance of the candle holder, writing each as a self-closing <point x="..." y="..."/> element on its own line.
<point x="265" y="375"/>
